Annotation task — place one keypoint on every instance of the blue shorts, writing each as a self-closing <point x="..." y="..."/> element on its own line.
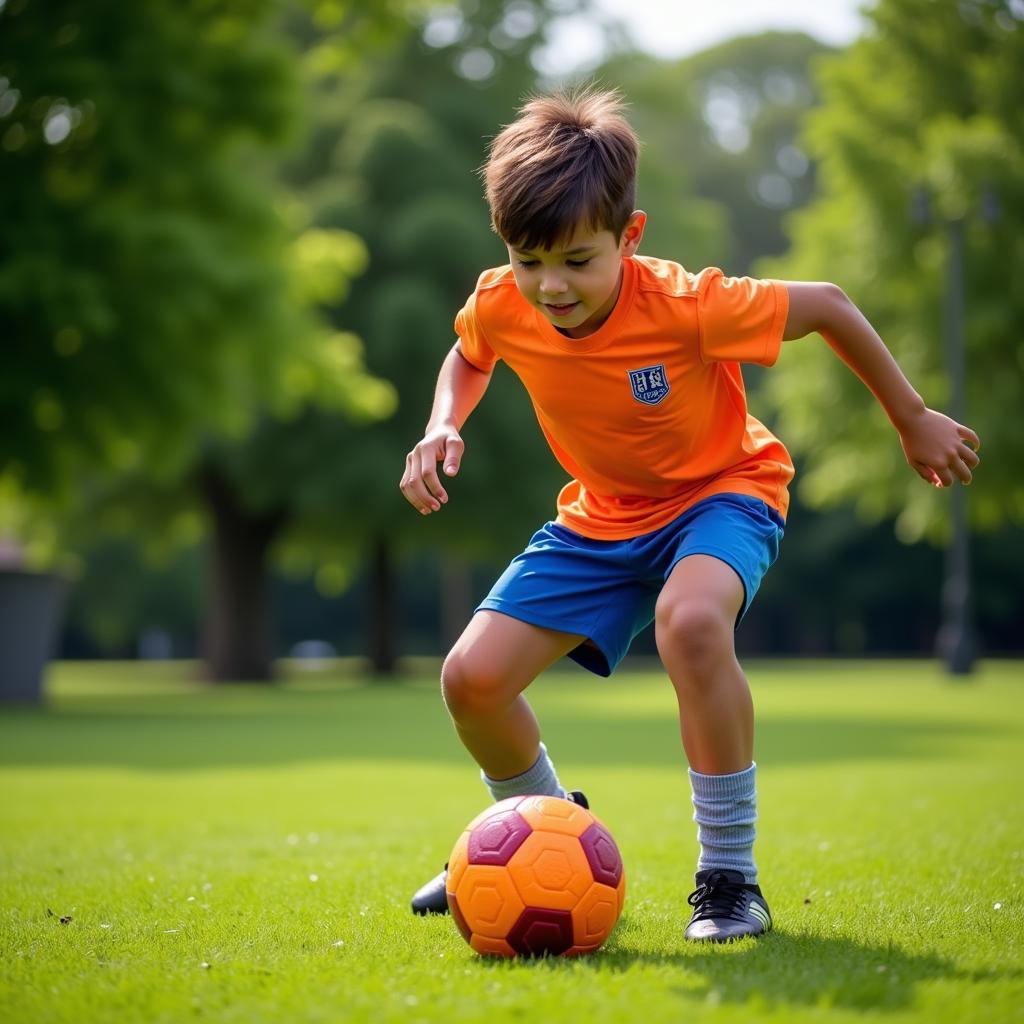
<point x="606" y="590"/>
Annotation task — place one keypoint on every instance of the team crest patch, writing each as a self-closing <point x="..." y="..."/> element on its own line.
<point x="650" y="385"/>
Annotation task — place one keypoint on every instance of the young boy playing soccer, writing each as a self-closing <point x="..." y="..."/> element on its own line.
<point x="678" y="498"/>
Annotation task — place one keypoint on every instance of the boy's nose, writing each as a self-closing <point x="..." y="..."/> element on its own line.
<point x="552" y="285"/>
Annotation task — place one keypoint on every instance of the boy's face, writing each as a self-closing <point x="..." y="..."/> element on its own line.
<point x="577" y="284"/>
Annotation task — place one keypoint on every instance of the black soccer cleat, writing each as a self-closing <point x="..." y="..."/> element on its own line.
<point x="432" y="898"/>
<point x="726" y="907"/>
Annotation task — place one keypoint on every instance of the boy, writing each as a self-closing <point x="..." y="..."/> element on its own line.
<point x="678" y="498"/>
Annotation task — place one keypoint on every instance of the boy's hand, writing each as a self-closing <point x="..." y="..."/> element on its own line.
<point x="420" y="483"/>
<point x="939" y="449"/>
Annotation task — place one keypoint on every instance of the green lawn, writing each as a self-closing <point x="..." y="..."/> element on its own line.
<point x="247" y="854"/>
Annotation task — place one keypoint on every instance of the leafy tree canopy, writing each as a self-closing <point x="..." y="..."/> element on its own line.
<point x="152" y="285"/>
<point x="721" y="161"/>
<point x="927" y="100"/>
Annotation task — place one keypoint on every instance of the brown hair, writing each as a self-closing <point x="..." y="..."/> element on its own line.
<point x="568" y="160"/>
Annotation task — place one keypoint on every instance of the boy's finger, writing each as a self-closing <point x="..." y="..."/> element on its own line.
<point x="969" y="455"/>
<point x="434" y="493"/>
<point x="405" y="484"/>
<point x="962" y="470"/>
<point x="453" y="450"/>
<point x="415" y="497"/>
<point x="966" y="434"/>
<point x="926" y="473"/>
<point x="413" y="488"/>
<point x="433" y="485"/>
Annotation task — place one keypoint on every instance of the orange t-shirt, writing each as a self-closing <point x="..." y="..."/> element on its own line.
<point x="647" y="414"/>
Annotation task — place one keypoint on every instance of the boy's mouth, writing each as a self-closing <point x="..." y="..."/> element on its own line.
<point x="560" y="310"/>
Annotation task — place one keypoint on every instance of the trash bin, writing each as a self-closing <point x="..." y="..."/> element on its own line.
<point x="31" y="605"/>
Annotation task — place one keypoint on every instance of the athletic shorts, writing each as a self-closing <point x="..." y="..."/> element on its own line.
<point x="606" y="590"/>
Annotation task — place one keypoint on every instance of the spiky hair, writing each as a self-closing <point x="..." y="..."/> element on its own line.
<point x="568" y="161"/>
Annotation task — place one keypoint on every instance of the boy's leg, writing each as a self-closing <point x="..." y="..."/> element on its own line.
<point x="483" y="679"/>
<point x="563" y="594"/>
<point x="694" y="622"/>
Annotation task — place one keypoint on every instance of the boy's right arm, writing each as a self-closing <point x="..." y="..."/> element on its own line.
<point x="460" y="386"/>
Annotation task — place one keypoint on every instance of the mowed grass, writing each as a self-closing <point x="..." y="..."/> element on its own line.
<point x="172" y="852"/>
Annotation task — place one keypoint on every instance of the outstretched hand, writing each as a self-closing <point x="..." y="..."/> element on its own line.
<point x="939" y="449"/>
<point x="420" y="483"/>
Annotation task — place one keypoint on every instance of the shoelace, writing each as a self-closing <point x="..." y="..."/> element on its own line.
<point x="718" y="897"/>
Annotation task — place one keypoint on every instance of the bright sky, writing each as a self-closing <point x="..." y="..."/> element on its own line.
<point x="674" y="28"/>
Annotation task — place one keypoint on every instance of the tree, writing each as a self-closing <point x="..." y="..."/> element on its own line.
<point x="925" y="99"/>
<point x="142" y="297"/>
<point x="721" y="161"/>
<point x="139" y="284"/>
<point x="154" y="299"/>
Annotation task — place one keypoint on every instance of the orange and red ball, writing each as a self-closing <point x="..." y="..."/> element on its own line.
<point x="535" y="876"/>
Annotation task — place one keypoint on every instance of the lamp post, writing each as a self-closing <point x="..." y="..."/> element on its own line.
<point x="956" y="640"/>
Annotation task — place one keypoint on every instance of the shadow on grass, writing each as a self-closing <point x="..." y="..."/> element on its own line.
<point x="199" y="732"/>
<point x="784" y="969"/>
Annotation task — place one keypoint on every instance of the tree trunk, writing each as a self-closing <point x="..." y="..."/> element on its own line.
<point x="383" y="654"/>
<point x="238" y="641"/>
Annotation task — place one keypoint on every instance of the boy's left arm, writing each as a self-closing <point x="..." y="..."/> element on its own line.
<point x="937" y="448"/>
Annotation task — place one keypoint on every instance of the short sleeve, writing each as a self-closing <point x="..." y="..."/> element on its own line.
<point x="740" y="319"/>
<point x="473" y="342"/>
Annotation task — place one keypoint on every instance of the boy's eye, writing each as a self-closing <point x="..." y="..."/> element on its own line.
<point x="578" y="263"/>
<point x="527" y="263"/>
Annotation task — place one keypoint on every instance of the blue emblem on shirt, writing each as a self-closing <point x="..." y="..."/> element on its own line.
<point x="650" y="385"/>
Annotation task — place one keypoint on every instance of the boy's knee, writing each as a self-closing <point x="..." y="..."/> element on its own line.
<point x="473" y="688"/>
<point x="696" y="634"/>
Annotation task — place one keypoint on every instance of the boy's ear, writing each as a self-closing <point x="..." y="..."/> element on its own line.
<point x="633" y="232"/>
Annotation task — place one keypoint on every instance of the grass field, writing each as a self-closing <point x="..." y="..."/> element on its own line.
<point x="170" y="852"/>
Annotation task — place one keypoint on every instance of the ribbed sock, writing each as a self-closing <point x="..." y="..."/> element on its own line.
<point x="725" y="809"/>
<point x="540" y="779"/>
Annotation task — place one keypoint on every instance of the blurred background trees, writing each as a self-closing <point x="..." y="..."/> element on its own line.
<point x="141" y="293"/>
<point x="156" y="300"/>
<point x="921" y="109"/>
<point x="236" y="236"/>
<point x="920" y="149"/>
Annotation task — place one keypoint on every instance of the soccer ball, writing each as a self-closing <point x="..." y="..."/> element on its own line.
<point x="535" y="876"/>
